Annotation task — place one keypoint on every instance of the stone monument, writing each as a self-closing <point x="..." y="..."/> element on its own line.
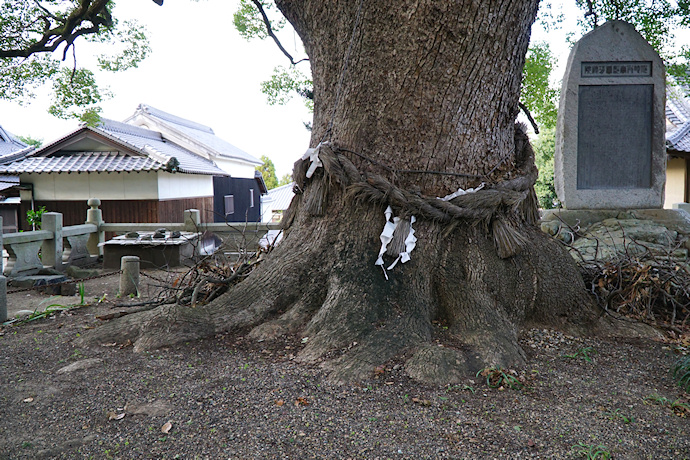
<point x="610" y="136"/>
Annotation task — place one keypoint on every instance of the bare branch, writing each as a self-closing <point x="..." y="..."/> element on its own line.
<point x="269" y="30"/>
<point x="66" y="30"/>
<point x="529" y="117"/>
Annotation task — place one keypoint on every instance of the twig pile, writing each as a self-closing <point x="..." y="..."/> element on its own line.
<point x="643" y="286"/>
<point x="205" y="281"/>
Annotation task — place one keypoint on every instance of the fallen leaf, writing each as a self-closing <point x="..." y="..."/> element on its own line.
<point x="166" y="427"/>
<point x="379" y="370"/>
<point x="28" y="400"/>
<point x="280" y="402"/>
<point x="423" y="402"/>
<point x="114" y="416"/>
<point x="301" y="401"/>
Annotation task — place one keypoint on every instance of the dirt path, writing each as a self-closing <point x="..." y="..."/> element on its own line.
<point x="228" y="397"/>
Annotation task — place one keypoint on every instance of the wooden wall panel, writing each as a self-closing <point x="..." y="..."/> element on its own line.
<point x="173" y="210"/>
<point x="116" y="211"/>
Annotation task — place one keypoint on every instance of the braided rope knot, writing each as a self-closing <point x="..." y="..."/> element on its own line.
<point x="503" y="209"/>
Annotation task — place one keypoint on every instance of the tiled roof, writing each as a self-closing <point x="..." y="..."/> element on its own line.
<point x="679" y="140"/>
<point x="677" y="109"/>
<point x="8" y="182"/>
<point x="9" y="144"/>
<point x="678" y="113"/>
<point x="196" y="132"/>
<point x="82" y="162"/>
<point x="152" y="142"/>
<point x="131" y="149"/>
<point x="281" y="197"/>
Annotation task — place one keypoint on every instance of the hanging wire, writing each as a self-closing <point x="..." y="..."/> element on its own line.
<point x="339" y="87"/>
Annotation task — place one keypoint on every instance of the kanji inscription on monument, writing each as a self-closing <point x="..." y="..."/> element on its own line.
<point x="614" y="118"/>
<point x="616" y="69"/>
<point x="610" y="150"/>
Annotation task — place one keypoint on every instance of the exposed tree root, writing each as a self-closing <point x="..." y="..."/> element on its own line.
<point x="455" y="308"/>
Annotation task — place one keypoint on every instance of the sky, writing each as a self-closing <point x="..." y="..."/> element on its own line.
<point x="202" y="70"/>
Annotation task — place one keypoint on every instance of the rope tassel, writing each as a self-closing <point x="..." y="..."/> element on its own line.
<point x="508" y="240"/>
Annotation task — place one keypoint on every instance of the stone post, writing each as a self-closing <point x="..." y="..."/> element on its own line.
<point x="3" y="281"/>
<point x="129" y="278"/>
<point x="192" y="220"/>
<point x="51" y="250"/>
<point x="95" y="216"/>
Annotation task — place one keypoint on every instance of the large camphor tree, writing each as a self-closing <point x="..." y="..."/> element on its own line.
<point x="413" y="100"/>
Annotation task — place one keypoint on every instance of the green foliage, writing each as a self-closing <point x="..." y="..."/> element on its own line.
<point x="654" y="19"/>
<point x="544" y="149"/>
<point x="583" y="353"/>
<point x="549" y="17"/>
<point x="28" y="140"/>
<point x="679" y="407"/>
<point x="20" y="78"/>
<point x="286" y="179"/>
<point x="284" y="83"/>
<point x="268" y="171"/>
<point x="680" y="371"/>
<point x="133" y="38"/>
<point x="497" y="377"/>
<point x="81" y="287"/>
<point x="537" y="94"/>
<point x="619" y="415"/>
<point x="591" y="452"/>
<point x="34" y="217"/>
<point x="38" y="36"/>
<point x="37" y="314"/>
<point x="76" y="95"/>
<point x="250" y="24"/>
<point x="542" y="102"/>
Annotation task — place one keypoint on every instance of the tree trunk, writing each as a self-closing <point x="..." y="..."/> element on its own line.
<point x="413" y="99"/>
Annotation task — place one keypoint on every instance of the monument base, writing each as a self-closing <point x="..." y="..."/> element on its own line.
<point x="674" y="219"/>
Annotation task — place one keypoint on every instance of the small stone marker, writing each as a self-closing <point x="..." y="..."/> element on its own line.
<point x="129" y="278"/>
<point x="610" y="137"/>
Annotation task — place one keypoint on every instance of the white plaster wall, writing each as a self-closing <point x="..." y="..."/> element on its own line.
<point x="119" y="186"/>
<point x="675" y="182"/>
<point x="105" y="186"/>
<point x="236" y="169"/>
<point x="172" y="186"/>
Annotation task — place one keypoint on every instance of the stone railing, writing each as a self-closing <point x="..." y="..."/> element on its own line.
<point x="57" y="247"/>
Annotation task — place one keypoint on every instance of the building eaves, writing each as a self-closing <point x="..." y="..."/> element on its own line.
<point x="83" y="162"/>
<point x="10" y="145"/>
<point x="677" y="105"/>
<point x="196" y="133"/>
<point x="152" y="143"/>
<point x="679" y="140"/>
<point x="281" y="197"/>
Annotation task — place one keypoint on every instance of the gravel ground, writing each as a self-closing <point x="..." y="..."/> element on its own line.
<point x="228" y="397"/>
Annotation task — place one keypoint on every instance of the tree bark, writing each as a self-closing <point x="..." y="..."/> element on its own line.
<point x="413" y="99"/>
